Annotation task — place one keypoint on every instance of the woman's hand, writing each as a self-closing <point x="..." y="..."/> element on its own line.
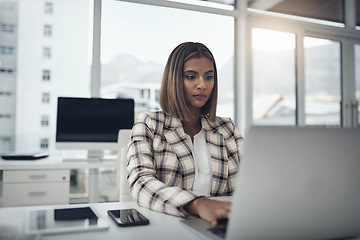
<point x="209" y="210"/>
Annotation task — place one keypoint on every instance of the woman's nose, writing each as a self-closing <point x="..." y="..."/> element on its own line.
<point x="201" y="84"/>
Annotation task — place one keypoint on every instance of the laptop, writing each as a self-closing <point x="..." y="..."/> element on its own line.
<point x="294" y="183"/>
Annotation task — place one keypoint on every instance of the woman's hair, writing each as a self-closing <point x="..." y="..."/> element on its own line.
<point x="171" y="96"/>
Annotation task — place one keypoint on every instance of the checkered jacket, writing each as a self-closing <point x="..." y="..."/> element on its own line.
<point x="161" y="168"/>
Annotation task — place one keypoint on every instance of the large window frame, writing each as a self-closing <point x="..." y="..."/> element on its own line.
<point x="348" y="36"/>
<point x="244" y="20"/>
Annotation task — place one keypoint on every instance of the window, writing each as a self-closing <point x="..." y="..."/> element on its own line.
<point x="6" y="70"/>
<point x="48" y="8"/>
<point x="47" y="30"/>
<point x="273" y="77"/>
<point x="3" y="93"/>
<point x="322" y="81"/>
<point x="47" y="52"/>
<point x="9" y="6"/>
<point x="44" y="143"/>
<point x="5" y="50"/>
<point x="132" y="67"/>
<point x="46" y="75"/>
<point x="7" y="28"/>
<point x="44" y="121"/>
<point x="2" y="115"/>
<point x="46" y="98"/>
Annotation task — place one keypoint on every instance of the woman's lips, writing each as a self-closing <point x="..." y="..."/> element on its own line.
<point x="199" y="96"/>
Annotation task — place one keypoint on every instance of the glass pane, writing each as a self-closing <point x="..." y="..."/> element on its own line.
<point x="330" y="10"/>
<point x="322" y="81"/>
<point x="273" y="77"/>
<point x="137" y="40"/>
<point x="22" y="84"/>
<point x="357" y="78"/>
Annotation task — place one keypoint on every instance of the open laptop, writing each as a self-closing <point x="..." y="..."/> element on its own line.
<point x="295" y="183"/>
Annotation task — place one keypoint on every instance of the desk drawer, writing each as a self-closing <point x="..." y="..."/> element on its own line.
<point x="25" y="176"/>
<point x="21" y="194"/>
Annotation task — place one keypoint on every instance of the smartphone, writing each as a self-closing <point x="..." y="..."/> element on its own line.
<point x="128" y="217"/>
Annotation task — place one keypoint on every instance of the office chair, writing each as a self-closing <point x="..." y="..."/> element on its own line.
<point x="123" y="139"/>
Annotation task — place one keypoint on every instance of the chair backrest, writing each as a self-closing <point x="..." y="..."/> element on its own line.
<point x="123" y="139"/>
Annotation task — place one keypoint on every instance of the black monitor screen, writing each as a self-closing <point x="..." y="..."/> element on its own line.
<point x="92" y="119"/>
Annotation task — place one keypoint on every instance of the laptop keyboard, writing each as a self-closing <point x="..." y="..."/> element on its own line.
<point x="220" y="229"/>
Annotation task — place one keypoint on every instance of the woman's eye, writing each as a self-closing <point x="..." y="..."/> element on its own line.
<point x="209" y="77"/>
<point x="190" y="77"/>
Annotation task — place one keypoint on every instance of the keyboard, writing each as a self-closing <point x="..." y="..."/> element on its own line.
<point x="220" y="229"/>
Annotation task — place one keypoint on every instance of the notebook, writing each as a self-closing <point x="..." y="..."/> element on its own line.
<point x="295" y="183"/>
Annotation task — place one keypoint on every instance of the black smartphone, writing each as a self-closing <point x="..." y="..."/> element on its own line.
<point x="128" y="217"/>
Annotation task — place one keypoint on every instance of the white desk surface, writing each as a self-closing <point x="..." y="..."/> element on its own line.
<point x="162" y="226"/>
<point x="55" y="163"/>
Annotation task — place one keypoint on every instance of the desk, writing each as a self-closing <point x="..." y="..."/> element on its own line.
<point x="162" y="226"/>
<point x="57" y="164"/>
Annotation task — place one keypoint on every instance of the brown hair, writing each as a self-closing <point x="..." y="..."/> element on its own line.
<point x="171" y="95"/>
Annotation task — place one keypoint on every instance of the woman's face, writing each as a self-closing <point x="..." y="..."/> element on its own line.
<point x="198" y="82"/>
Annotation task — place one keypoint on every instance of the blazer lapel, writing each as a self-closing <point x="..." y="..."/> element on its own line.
<point x="175" y="136"/>
<point x="217" y="148"/>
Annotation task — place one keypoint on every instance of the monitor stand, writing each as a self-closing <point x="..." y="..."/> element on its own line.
<point x="95" y="155"/>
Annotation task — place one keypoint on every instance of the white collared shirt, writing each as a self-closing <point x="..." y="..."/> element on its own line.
<point x="203" y="171"/>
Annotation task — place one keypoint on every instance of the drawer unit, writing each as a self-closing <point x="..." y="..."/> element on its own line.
<point x="21" y="176"/>
<point x="35" y="187"/>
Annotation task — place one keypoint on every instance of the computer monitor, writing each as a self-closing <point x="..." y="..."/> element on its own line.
<point x="92" y="123"/>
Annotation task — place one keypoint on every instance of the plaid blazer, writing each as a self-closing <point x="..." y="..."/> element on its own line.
<point x="161" y="170"/>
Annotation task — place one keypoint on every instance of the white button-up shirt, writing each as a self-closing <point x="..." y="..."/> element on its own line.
<point x="203" y="172"/>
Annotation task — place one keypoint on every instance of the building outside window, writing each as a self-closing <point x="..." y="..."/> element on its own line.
<point x="46" y="75"/>
<point x="48" y="8"/>
<point x="47" y="30"/>
<point x="46" y="98"/>
<point x="47" y="52"/>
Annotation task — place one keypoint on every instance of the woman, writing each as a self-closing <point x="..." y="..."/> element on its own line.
<point x="183" y="154"/>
